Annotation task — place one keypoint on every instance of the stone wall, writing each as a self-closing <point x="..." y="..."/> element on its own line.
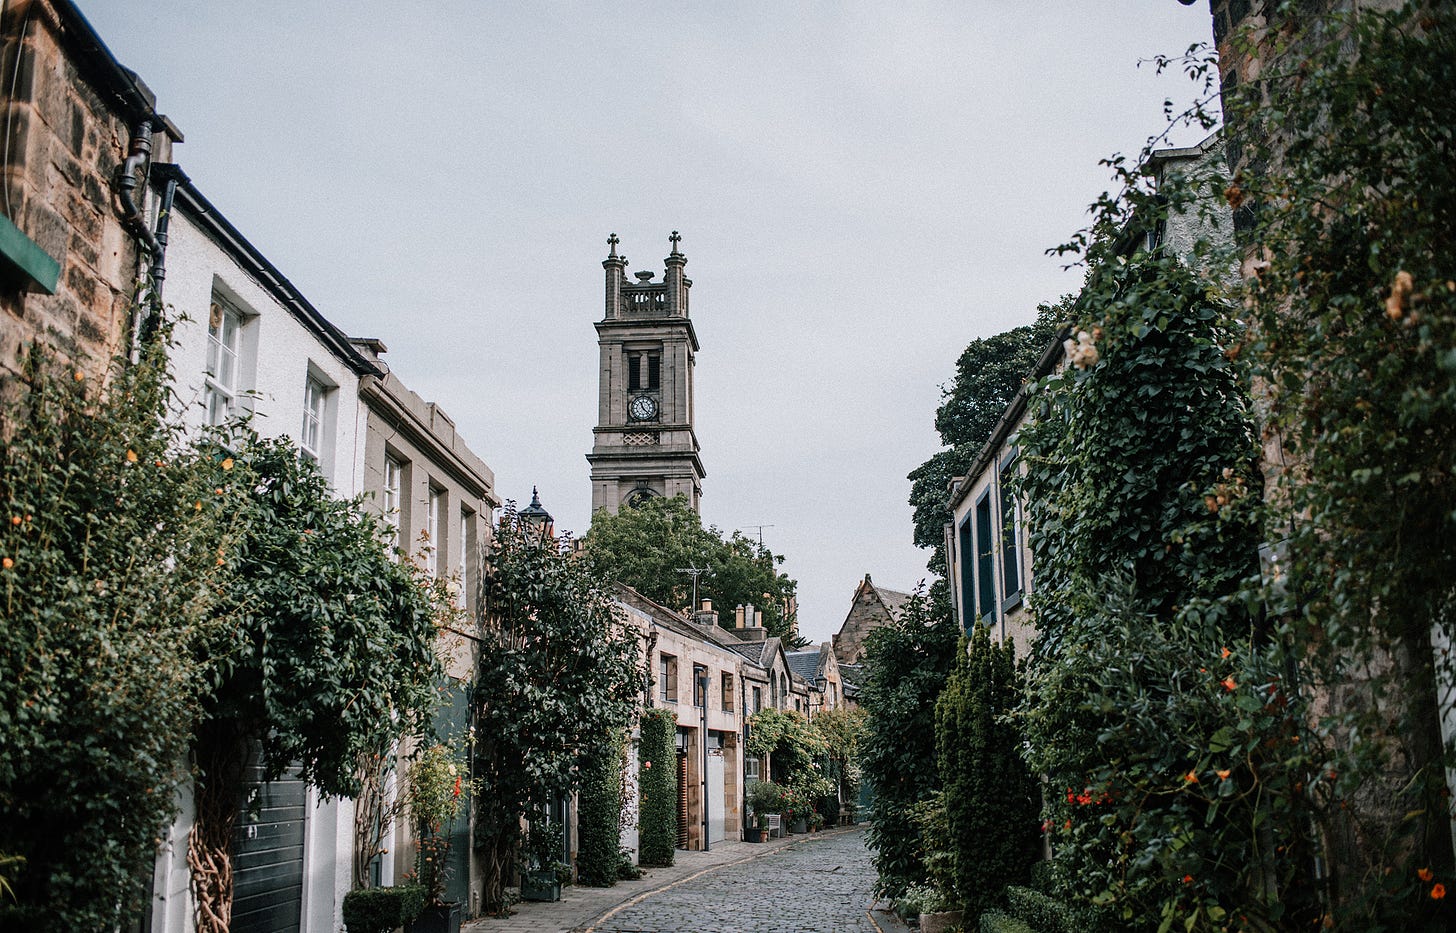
<point x="70" y="113"/>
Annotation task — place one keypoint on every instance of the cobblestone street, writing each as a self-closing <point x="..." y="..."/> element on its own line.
<point x="821" y="884"/>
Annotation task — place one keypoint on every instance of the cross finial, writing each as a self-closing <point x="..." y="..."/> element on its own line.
<point x="675" y="239"/>
<point x="612" y="242"/>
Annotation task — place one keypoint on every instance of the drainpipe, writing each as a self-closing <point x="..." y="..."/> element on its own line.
<point x="127" y="184"/>
<point x="171" y="176"/>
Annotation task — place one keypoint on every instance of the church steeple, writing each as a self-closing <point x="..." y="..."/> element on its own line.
<point x="645" y="443"/>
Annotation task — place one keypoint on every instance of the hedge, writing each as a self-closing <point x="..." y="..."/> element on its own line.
<point x="1046" y="913"/>
<point x="380" y="910"/>
<point x="994" y="921"/>
<point x="657" y="815"/>
<point x="600" y="815"/>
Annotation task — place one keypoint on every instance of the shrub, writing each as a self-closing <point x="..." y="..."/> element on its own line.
<point x="599" y="821"/>
<point x="765" y="797"/>
<point x="994" y="921"/>
<point x="657" y="820"/>
<point x="626" y="870"/>
<point x="380" y="910"/>
<point x="991" y="799"/>
<point x="1047" y="914"/>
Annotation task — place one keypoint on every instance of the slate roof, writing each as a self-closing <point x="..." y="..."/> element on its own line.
<point x="805" y="663"/>
<point x="752" y="650"/>
<point x="894" y="600"/>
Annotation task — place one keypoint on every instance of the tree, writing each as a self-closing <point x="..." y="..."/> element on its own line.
<point x="109" y="536"/>
<point x="646" y="546"/>
<point x="989" y="373"/>
<point x="906" y="666"/>
<point x="324" y="655"/>
<point x="991" y="799"/>
<point x="559" y="675"/>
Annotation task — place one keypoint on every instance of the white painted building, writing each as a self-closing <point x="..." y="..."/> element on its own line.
<point x="248" y="343"/>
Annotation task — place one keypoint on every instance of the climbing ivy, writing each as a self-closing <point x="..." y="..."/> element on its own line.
<point x="599" y="818"/>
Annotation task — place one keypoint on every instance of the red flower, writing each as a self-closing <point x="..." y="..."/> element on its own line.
<point x="1438" y="891"/>
<point x="1230" y="684"/>
<point x="457" y="785"/>
<point x="1425" y="874"/>
<point x="1187" y="879"/>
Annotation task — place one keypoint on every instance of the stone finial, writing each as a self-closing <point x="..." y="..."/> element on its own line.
<point x="612" y="242"/>
<point x="675" y="238"/>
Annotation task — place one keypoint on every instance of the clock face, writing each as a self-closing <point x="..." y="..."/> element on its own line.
<point x="643" y="408"/>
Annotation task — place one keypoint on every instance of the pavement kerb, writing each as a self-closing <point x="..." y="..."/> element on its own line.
<point x="779" y="845"/>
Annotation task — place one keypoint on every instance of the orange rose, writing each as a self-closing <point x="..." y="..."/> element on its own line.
<point x="1425" y="874"/>
<point x="1438" y="891"/>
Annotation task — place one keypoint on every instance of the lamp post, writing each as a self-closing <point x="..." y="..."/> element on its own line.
<point x="536" y="519"/>
<point x="703" y="692"/>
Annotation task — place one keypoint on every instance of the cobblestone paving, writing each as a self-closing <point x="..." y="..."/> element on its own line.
<point x="818" y="885"/>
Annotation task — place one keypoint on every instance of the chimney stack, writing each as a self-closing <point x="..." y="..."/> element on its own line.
<point x="738" y="616"/>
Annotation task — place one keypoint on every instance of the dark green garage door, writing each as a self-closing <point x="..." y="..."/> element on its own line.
<point x="268" y="855"/>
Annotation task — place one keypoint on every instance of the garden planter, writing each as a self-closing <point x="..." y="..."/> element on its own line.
<point x="753" y="834"/>
<point x="439" y="918"/>
<point x="940" y="921"/>
<point x="540" y="886"/>
<point x="801" y="825"/>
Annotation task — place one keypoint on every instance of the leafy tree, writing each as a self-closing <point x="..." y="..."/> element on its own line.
<point x="657" y="783"/>
<point x="559" y="674"/>
<point x="646" y="545"/>
<point x="325" y="654"/>
<point x="989" y="373"/>
<point x="991" y="799"/>
<point x="795" y="747"/>
<point x="109" y="536"/>
<point x="906" y="666"/>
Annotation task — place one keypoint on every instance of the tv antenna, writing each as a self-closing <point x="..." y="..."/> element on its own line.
<point x="695" y="572"/>
<point x="760" y="531"/>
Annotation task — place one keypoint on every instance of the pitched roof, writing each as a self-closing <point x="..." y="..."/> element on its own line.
<point x="894" y="600"/>
<point x="805" y="663"/>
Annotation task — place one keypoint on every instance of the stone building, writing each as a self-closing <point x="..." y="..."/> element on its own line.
<point x="80" y="134"/>
<point x="439" y="498"/>
<point x="699" y="677"/>
<point x="645" y="444"/>
<point x="871" y="607"/>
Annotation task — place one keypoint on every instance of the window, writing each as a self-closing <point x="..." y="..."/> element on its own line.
<point x="464" y="567"/>
<point x="644" y="371"/>
<point x="1010" y="553"/>
<point x="700" y="686"/>
<point x="393" y="479"/>
<point x="750" y="768"/>
<point x="667" y="677"/>
<point x="757" y="699"/>
<point x="220" y="387"/>
<point x="311" y="441"/>
<point x="725" y="687"/>
<point x="966" y="551"/>
<point x="433" y="539"/>
<point x="985" y="558"/>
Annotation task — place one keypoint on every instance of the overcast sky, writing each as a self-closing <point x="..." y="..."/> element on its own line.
<point x="862" y="189"/>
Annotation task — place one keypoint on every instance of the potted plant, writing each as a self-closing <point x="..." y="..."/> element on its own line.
<point x="764" y="798"/>
<point x="541" y="871"/>
<point x="437" y="788"/>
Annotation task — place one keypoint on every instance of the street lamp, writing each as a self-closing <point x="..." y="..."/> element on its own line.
<point x="536" y="520"/>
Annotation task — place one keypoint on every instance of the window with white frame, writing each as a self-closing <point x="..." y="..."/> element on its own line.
<point x="393" y="482"/>
<point x="311" y="440"/>
<point x="220" y="386"/>
<point x="433" y="541"/>
<point x="751" y="768"/>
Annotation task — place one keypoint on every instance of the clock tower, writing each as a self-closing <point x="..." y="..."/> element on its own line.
<point x="644" y="441"/>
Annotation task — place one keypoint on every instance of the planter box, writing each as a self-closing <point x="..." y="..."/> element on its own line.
<point x="940" y="921"/>
<point x="439" y="918"/>
<point x="540" y="886"/>
<point x="800" y="826"/>
<point x="753" y="834"/>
